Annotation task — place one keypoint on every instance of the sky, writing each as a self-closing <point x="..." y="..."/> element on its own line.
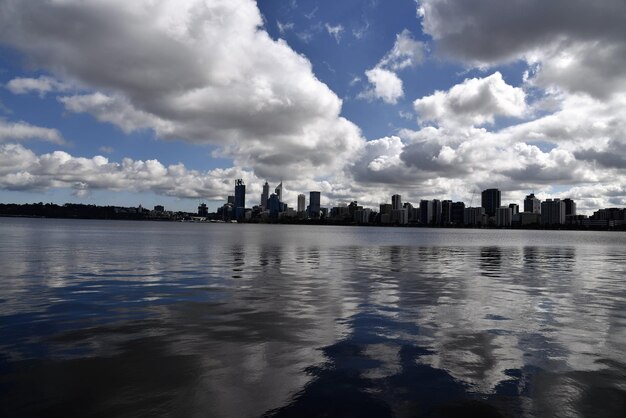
<point x="168" y="102"/>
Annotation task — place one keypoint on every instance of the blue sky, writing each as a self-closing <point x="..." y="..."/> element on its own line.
<point x="168" y="102"/>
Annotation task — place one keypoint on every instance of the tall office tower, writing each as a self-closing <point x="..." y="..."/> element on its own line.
<point x="230" y="200"/>
<point x="265" y="195"/>
<point x="314" y="204"/>
<point x="301" y="203"/>
<point x="552" y="212"/>
<point x="490" y="201"/>
<point x="446" y="212"/>
<point x="426" y="212"/>
<point x="458" y="210"/>
<point x="532" y="204"/>
<point x="570" y="207"/>
<point x="514" y="208"/>
<point x="240" y="199"/>
<point x="279" y="191"/>
<point x="437" y="209"/>
<point x="385" y="208"/>
<point x="274" y="206"/>
<point x="396" y="202"/>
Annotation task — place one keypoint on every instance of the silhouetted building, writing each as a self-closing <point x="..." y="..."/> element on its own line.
<point x="437" y="208"/>
<point x="301" y="203"/>
<point x="265" y="195"/>
<point x="385" y="208"/>
<point x="399" y="216"/>
<point x="457" y="213"/>
<point x="474" y="216"/>
<point x="159" y="208"/>
<point x="203" y="210"/>
<point x="552" y="212"/>
<point x="314" y="204"/>
<point x="240" y="199"/>
<point x="570" y="207"/>
<point x="490" y="201"/>
<point x="514" y="208"/>
<point x="274" y="205"/>
<point x="396" y="202"/>
<point x="504" y="216"/>
<point x="230" y="200"/>
<point x="446" y="212"/>
<point x="532" y="204"/>
<point x="426" y="212"/>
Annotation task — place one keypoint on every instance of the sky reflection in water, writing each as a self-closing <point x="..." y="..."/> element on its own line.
<point x="126" y="319"/>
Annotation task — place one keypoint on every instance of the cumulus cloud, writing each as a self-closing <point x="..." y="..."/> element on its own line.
<point x="476" y="101"/>
<point x="41" y="85"/>
<point x="579" y="46"/>
<point x="384" y="81"/>
<point x="204" y="72"/>
<point x="386" y="86"/>
<point x="18" y="131"/>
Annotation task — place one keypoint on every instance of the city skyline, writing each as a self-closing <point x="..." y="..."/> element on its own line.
<point x="358" y="99"/>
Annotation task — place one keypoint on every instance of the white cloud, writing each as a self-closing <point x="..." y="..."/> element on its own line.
<point x="386" y="86"/>
<point x="205" y="72"/>
<point x="19" y="131"/>
<point x="335" y="31"/>
<point x="476" y="101"/>
<point x="384" y="81"/>
<point x="41" y="85"/>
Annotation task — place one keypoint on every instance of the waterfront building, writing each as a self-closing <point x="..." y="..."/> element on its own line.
<point x="230" y="200"/>
<point x="362" y="216"/>
<point x="446" y="212"/>
<point x="301" y="203"/>
<point x="314" y="205"/>
<point x="514" y="208"/>
<point x="490" y="201"/>
<point x="399" y="216"/>
<point x="396" y="202"/>
<point x="265" y="195"/>
<point x="570" y="207"/>
<point x="274" y="205"/>
<point x="474" y="216"/>
<point x="504" y="216"/>
<point x="437" y="209"/>
<point x="532" y="204"/>
<point x="457" y="213"/>
<point x="240" y="199"/>
<point x="552" y="212"/>
<point x="385" y="208"/>
<point x="426" y="212"/>
<point x="203" y="210"/>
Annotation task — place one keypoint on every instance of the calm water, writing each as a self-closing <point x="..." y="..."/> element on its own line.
<point x="107" y="318"/>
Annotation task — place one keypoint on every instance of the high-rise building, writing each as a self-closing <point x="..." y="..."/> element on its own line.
<point x="457" y="212"/>
<point x="490" y="201"/>
<point x="474" y="216"/>
<point x="570" y="207"/>
<point x="514" y="208"/>
<point x="504" y="216"/>
<point x="240" y="199"/>
<point x="314" y="204"/>
<point x="552" y="212"/>
<point x="203" y="210"/>
<point x="532" y="204"/>
<point x="274" y="205"/>
<point x="301" y="203"/>
<point x="279" y="191"/>
<point x="426" y="212"/>
<point x="265" y="195"/>
<point x="396" y="202"/>
<point x="446" y="212"/>
<point x="385" y="208"/>
<point x="437" y="209"/>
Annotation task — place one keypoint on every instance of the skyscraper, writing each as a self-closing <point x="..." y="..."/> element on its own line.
<point x="314" y="204"/>
<point x="570" y="207"/>
<point x="396" y="202"/>
<point x="279" y="191"/>
<point x="301" y="203"/>
<point x="532" y="204"/>
<point x="265" y="195"/>
<point x="490" y="201"/>
<point x="240" y="199"/>
<point x="426" y="212"/>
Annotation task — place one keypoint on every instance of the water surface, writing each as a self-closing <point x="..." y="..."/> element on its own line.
<point x="114" y="318"/>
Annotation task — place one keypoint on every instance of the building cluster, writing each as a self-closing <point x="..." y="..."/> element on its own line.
<point x="491" y="212"/>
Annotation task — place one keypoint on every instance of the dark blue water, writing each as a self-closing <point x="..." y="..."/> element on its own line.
<point x="106" y="318"/>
